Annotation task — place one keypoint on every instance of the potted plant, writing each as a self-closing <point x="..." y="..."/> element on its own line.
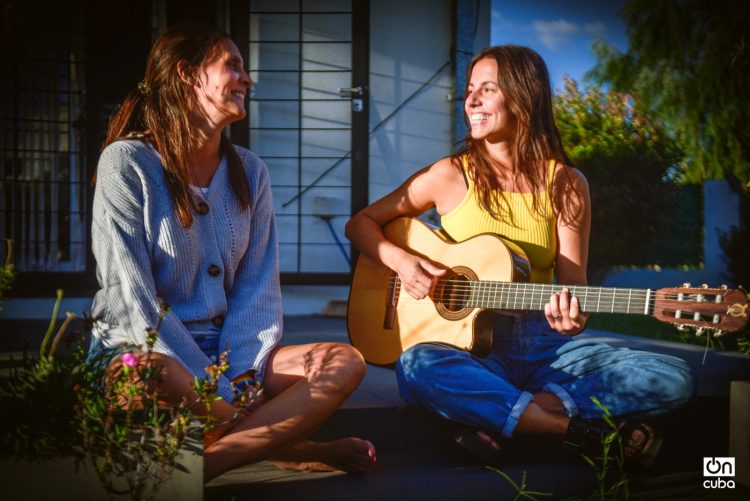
<point x="68" y="428"/>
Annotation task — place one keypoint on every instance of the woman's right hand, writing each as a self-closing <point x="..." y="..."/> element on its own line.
<point x="418" y="275"/>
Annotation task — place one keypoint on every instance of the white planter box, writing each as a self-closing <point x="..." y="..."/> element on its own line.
<point x="58" y="479"/>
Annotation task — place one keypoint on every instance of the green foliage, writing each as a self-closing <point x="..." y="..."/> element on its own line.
<point x="688" y="61"/>
<point x="613" y="482"/>
<point x="66" y="403"/>
<point x="628" y="158"/>
<point x="612" y="479"/>
<point x="130" y="440"/>
<point x="7" y="273"/>
<point x="36" y="408"/>
<point x="521" y="491"/>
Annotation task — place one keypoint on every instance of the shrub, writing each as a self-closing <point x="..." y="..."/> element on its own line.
<point x="629" y="161"/>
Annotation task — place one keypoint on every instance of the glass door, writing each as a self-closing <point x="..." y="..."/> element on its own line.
<point x="308" y="119"/>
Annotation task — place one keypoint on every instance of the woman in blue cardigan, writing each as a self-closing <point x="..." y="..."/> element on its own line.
<point x="183" y="217"/>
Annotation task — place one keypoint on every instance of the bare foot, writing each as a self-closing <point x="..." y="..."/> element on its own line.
<point x="352" y="455"/>
<point x="640" y="442"/>
<point x="635" y="443"/>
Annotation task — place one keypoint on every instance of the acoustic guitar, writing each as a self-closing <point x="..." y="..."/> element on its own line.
<point x="488" y="275"/>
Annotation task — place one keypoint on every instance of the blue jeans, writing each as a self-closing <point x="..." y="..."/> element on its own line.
<point x="207" y="340"/>
<point x="529" y="357"/>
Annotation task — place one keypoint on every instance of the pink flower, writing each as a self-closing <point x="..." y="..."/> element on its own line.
<point x="129" y="360"/>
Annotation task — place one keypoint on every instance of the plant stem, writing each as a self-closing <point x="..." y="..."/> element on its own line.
<point x="52" y="322"/>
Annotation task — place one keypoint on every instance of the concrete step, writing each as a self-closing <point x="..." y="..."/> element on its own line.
<point x="418" y="459"/>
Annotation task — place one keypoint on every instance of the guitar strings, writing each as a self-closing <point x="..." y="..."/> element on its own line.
<point x="539" y="305"/>
<point x="488" y="287"/>
<point x="462" y="292"/>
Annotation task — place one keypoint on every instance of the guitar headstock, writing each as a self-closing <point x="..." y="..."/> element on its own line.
<point x="702" y="308"/>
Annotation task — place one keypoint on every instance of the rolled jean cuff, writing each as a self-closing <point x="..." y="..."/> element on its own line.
<point x="515" y="413"/>
<point x="570" y="406"/>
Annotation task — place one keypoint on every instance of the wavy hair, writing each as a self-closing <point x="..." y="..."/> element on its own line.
<point x="157" y="111"/>
<point x="524" y="81"/>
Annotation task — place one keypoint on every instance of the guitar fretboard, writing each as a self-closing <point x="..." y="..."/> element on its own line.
<point x="530" y="296"/>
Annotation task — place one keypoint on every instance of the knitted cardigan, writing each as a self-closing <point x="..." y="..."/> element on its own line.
<point x="223" y="271"/>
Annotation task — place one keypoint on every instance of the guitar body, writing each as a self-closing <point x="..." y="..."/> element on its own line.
<point x="383" y="320"/>
<point x="486" y="275"/>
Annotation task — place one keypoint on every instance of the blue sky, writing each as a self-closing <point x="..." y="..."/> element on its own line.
<point x="561" y="31"/>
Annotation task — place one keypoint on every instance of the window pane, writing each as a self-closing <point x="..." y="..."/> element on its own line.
<point x="326" y="27"/>
<point x="274" y="114"/>
<point x="274" y="27"/>
<point x="273" y="56"/>
<point x="275" y="85"/>
<point x="274" y="5"/>
<point x="326" y="5"/>
<point x="317" y="85"/>
<point x="327" y="56"/>
<point x="327" y="114"/>
<point x="44" y="188"/>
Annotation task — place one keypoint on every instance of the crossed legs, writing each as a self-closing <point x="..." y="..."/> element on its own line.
<point x="544" y="415"/>
<point x="479" y="392"/>
<point x="304" y="385"/>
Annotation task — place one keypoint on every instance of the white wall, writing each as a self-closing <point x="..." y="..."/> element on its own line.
<point x="409" y="42"/>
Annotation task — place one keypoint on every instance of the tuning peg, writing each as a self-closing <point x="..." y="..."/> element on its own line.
<point x="718" y="332"/>
<point x="704" y="286"/>
<point x="681" y="327"/>
<point x="686" y="285"/>
<point x="699" y="331"/>
<point x="723" y="287"/>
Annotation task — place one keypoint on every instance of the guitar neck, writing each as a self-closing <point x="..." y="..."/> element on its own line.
<point x="531" y="296"/>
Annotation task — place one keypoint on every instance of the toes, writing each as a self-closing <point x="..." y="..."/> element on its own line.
<point x="487" y="438"/>
<point x="371" y="453"/>
<point x="637" y="439"/>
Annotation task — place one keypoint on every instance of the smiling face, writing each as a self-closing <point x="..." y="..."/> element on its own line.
<point x="485" y="105"/>
<point x="222" y="84"/>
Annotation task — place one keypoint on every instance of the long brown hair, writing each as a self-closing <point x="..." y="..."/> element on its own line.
<point x="524" y="81"/>
<point x="157" y="111"/>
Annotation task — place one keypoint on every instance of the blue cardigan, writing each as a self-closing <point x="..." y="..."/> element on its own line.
<point x="143" y="253"/>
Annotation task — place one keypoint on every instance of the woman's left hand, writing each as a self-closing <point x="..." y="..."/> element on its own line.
<point x="564" y="313"/>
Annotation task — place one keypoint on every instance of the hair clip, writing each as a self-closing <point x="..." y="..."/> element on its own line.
<point x="143" y="88"/>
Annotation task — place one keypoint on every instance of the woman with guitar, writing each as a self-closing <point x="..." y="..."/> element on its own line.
<point x="513" y="178"/>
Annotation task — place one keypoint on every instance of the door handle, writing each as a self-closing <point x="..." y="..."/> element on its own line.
<point x="351" y="92"/>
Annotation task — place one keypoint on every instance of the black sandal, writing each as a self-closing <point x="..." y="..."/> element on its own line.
<point x="470" y="442"/>
<point x="589" y="436"/>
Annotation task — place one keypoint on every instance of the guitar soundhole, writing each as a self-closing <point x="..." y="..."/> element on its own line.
<point x="453" y="293"/>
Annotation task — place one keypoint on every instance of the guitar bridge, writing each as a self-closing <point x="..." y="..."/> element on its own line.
<point x="391" y="300"/>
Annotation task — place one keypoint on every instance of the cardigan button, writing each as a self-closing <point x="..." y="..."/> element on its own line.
<point x="218" y="321"/>
<point x="202" y="208"/>
<point x="214" y="270"/>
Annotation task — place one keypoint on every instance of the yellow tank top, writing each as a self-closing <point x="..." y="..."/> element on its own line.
<point x="534" y="234"/>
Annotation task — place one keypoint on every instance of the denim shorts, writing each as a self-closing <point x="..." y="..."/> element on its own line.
<point x="101" y="357"/>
